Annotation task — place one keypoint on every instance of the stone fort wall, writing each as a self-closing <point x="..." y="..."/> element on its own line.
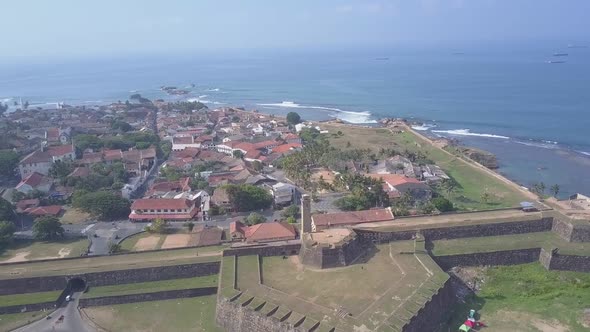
<point x="324" y="256"/>
<point x="145" y="297"/>
<point x="52" y="283"/>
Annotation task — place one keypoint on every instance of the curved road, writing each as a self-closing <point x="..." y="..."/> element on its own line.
<point x="72" y="320"/>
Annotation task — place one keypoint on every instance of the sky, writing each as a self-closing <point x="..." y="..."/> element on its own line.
<point x="74" y="28"/>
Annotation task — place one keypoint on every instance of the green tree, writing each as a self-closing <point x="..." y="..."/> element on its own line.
<point x="255" y="219"/>
<point x="190" y="226"/>
<point x="291" y="220"/>
<point x="121" y="126"/>
<point x="247" y="197"/>
<point x="104" y="205"/>
<point x="7" y="230"/>
<point x="238" y="154"/>
<point x="442" y="204"/>
<point x="114" y="247"/>
<point x="159" y="226"/>
<point x="291" y="211"/>
<point x="85" y="141"/>
<point x="47" y="228"/>
<point x="6" y="210"/>
<point x="555" y="190"/>
<point x="257" y="166"/>
<point x="293" y="118"/>
<point x="8" y="162"/>
<point x="427" y="208"/>
<point x="60" y="169"/>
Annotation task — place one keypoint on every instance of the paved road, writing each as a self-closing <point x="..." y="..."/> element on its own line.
<point x="72" y="321"/>
<point x="110" y="232"/>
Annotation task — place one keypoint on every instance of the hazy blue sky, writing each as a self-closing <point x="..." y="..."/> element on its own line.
<point x="114" y="27"/>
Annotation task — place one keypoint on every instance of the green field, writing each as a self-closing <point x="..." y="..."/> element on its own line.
<point x="105" y="263"/>
<point x="528" y="298"/>
<point x="28" y="298"/>
<point x="547" y="240"/>
<point x="153" y="286"/>
<point x="23" y="250"/>
<point x="381" y="290"/>
<point x="195" y="314"/>
<point x="12" y="321"/>
<point x="472" y="181"/>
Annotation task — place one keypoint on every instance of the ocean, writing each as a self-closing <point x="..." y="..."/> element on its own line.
<point x="532" y="114"/>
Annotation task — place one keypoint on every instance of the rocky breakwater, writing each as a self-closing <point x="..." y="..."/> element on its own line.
<point x="485" y="158"/>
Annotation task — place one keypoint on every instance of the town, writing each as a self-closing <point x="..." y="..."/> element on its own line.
<point x="233" y="207"/>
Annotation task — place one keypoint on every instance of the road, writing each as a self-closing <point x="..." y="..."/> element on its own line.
<point x="72" y="321"/>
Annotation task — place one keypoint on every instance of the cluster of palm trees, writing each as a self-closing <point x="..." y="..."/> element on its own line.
<point x="539" y="189"/>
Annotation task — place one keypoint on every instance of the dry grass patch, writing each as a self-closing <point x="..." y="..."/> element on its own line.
<point x="176" y="241"/>
<point x="149" y="242"/>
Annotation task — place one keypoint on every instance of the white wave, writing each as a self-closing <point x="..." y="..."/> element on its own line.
<point x="200" y="100"/>
<point x="466" y="132"/>
<point x="134" y="91"/>
<point x="203" y="96"/>
<point x="423" y="127"/>
<point x="584" y="153"/>
<point x="538" y="144"/>
<point x="213" y="90"/>
<point x="551" y="142"/>
<point x="5" y="100"/>
<point x="348" y="116"/>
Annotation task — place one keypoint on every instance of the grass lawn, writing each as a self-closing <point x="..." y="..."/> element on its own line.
<point x="195" y="314"/>
<point x="154" y="286"/>
<point x="28" y="298"/>
<point x="11" y="321"/>
<point x="74" y="216"/>
<point x="381" y="289"/>
<point x="105" y="263"/>
<point x="527" y="297"/>
<point x="547" y="240"/>
<point x="23" y="250"/>
<point x="472" y="181"/>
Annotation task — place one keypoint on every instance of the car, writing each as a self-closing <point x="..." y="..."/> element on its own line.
<point x="68" y="298"/>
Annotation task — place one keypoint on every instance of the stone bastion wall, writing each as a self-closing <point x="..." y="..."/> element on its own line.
<point x="52" y="283"/>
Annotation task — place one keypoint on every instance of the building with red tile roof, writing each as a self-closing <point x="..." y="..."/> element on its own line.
<point x="342" y="219"/>
<point x="34" y="181"/>
<point x="182" y="185"/>
<point x="148" y="209"/>
<point x="40" y="211"/>
<point x="264" y="232"/>
<point x="24" y="204"/>
<point x="396" y="185"/>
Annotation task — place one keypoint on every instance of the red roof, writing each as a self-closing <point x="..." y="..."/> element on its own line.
<point x="272" y="231"/>
<point x="352" y="218"/>
<point x="286" y="147"/>
<point x="161" y="203"/>
<point x="165" y="216"/>
<point x="50" y="210"/>
<point x="182" y="184"/>
<point x="80" y="172"/>
<point x="189" y="152"/>
<point x="183" y="140"/>
<point x="33" y="180"/>
<point x="60" y="150"/>
<point x="394" y="179"/>
<point x="112" y="154"/>
<point x="37" y="157"/>
<point x="27" y="203"/>
<point x="52" y="134"/>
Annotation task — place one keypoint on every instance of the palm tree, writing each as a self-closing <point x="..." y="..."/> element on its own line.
<point x="554" y="190"/>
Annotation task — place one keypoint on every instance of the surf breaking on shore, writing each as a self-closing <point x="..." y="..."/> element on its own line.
<point x="348" y="116"/>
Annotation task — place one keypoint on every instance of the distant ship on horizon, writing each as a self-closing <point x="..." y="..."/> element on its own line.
<point x="555" y="61"/>
<point x="576" y="46"/>
<point x="560" y="54"/>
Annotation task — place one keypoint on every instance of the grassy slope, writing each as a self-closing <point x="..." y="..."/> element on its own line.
<point x="472" y="181"/>
<point x="179" y="315"/>
<point x="531" y="291"/>
<point x="12" y="321"/>
<point x="40" y="250"/>
<point x="28" y="298"/>
<point x="105" y="263"/>
<point x="546" y="240"/>
<point x="154" y="286"/>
